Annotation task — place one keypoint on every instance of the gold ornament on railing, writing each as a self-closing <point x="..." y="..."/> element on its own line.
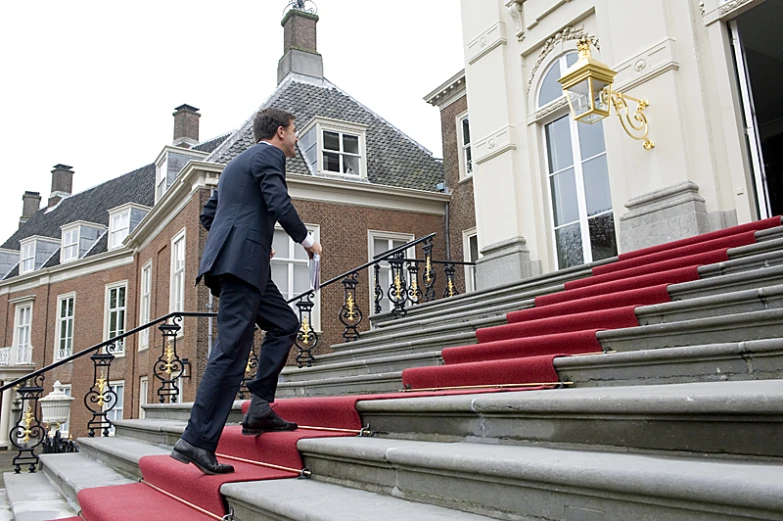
<point x="451" y="288"/>
<point x="350" y="313"/>
<point x="28" y="420"/>
<point x="398" y="286"/>
<point x="306" y="331"/>
<point x="169" y="356"/>
<point x="428" y="271"/>
<point x="101" y="387"/>
<point x="588" y="88"/>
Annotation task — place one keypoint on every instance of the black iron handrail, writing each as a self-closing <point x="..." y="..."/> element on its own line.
<point x="376" y="259"/>
<point x="105" y="343"/>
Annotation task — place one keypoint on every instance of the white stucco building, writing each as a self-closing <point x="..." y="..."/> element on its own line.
<point x="552" y="193"/>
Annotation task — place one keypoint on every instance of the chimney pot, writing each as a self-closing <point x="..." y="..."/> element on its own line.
<point x="186" y="120"/>
<point x="62" y="183"/>
<point x="31" y="202"/>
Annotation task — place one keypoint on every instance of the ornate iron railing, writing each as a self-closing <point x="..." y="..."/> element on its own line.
<point x="28" y="433"/>
<point x="412" y="282"/>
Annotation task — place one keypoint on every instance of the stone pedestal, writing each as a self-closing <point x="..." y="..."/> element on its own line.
<point x="504" y="263"/>
<point x="672" y="213"/>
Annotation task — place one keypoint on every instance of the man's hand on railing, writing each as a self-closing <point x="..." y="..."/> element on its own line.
<point x="314" y="249"/>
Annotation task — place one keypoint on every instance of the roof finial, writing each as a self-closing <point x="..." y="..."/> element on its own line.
<point x="307" y="6"/>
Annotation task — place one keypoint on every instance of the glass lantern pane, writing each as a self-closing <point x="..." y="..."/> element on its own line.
<point x="580" y="98"/>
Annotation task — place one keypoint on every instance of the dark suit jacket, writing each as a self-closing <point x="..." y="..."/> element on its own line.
<point x="241" y="221"/>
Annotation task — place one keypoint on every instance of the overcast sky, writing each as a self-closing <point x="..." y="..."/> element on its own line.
<point x="93" y="84"/>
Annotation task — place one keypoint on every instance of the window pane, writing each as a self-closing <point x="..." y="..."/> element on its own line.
<point x="597" y="193"/>
<point x="331" y="141"/>
<point x="112" y="298"/>
<point x="331" y="162"/>
<point x="558" y="141"/>
<point x="122" y="296"/>
<point x="351" y="165"/>
<point x="300" y="253"/>
<point x="468" y="161"/>
<point x="603" y="241"/>
<point x="308" y="139"/>
<point x="474" y="253"/>
<point x="281" y="245"/>
<point x="465" y="132"/>
<point x="571" y="59"/>
<point x="569" y="246"/>
<point x="564" y="202"/>
<point x="351" y="144"/>
<point x="591" y="139"/>
<point x="550" y="88"/>
<point x="301" y="279"/>
<point x="380" y="246"/>
<point x="280" y="277"/>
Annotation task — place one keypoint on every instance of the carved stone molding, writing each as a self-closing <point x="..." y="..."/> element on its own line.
<point x="517" y="12"/>
<point x="550" y="108"/>
<point x="732" y="5"/>
<point x="564" y="35"/>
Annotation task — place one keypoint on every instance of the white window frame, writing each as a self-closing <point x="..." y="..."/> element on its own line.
<point x="73" y="244"/>
<point x="144" y="383"/>
<point x="372" y="235"/>
<point x="119" y="350"/>
<point x="161" y="177"/>
<point x="26" y="255"/>
<point x="18" y="344"/>
<point x="177" y="287"/>
<point x="66" y="426"/>
<point x="116" y="412"/>
<point x="115" y="232"/>
<point x="58" y="333"/>
<point x="315" y="229"/>
<point x="470" y="271"/>
<point x="464" y="172"/>
<point x="145" y="304"/>
<point x="322" y="125"/>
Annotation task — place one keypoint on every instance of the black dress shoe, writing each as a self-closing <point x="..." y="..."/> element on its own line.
<point x="203" y="459"/>
<point x="261" y="418"/>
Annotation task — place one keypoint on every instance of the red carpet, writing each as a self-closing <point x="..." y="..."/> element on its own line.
<point x="600" y="319"/>
<point x="133" y="502"/>
<point x="696" y="239"/>
<point x="560" y="324"/>
<point x="496" y="372"/>
<point x="574" y="343"/>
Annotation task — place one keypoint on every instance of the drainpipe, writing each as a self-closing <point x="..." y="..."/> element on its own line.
<point x="448" y="233"/>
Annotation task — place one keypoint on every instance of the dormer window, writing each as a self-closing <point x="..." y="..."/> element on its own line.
<point x="169" y="164"/>
<point x="333" y="147"/>
<point x="78" y="238"/>
<point x="122" y="221"/>
<point x="35" y="251"/>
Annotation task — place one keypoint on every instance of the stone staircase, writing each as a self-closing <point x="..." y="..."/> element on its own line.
<point x="680" y="418"/>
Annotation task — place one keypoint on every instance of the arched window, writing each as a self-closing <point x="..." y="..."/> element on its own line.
<point x="578" y="180"/>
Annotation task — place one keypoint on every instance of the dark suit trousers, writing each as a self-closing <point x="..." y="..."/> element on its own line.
<point x="241" y="308"/>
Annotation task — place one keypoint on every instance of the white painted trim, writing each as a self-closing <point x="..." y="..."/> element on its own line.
<point x="128" y="206"/>
<point x="32" y="238"/>
<point x="19" y="300"/>
<point x="58" y="318"/>
<point x="446" y="89"/>
<point x="483" y="44"/>
<point x="463" y="175"/>
<point x="143" y="346"/>
<point x="108" y="288"/>
<point x="20" y="305"/>
<point x="143" y="395"/>
<point x="89" y="224"/>
<point x="380" y="234"/>
<point x="315" y="229"/>
<point x="470" y="281"/>
<point x="177" y="236"/>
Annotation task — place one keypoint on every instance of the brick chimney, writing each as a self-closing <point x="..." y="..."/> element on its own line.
<point x="300" y="53"/>
<point x="62" y="183"/>
<point x="186" y="126"/>
<point x="31" y="202"/>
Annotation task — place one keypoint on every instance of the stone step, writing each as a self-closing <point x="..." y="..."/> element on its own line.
<point x="76" y="471"/>
<point x="120" y="453"/>
<point x="528" y="482"/>
<point x="360" y="384"/>
<point x="181" y="411"/>
<point x="738" y="327"/>
<point x="32" y="497"/>
<point x="769" y="297"/>
<point x="692" y="296"/>
<point x="160" y="431"/>
<point x="719" y="418"/>
<point x="5" y="508"/>
<point x="380" y="364"/>
<point x="743" y="273"/>
<point x="769" y="243"/>
<point x="728" y="361"/>
<point x="310" y="500"/>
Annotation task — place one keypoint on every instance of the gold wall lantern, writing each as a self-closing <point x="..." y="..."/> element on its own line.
<point x="588" y="88"/>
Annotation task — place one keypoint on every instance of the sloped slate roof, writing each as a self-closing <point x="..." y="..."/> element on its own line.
<point x="92" y="205"/>
<point x="393" y="158"/>
<point x="212" y="144"/>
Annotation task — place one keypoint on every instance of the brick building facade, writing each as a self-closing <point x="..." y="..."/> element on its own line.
<point x="102" y="262"/>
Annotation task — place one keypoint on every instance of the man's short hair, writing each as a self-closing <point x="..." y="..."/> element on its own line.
<point x="267" y="121"/>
